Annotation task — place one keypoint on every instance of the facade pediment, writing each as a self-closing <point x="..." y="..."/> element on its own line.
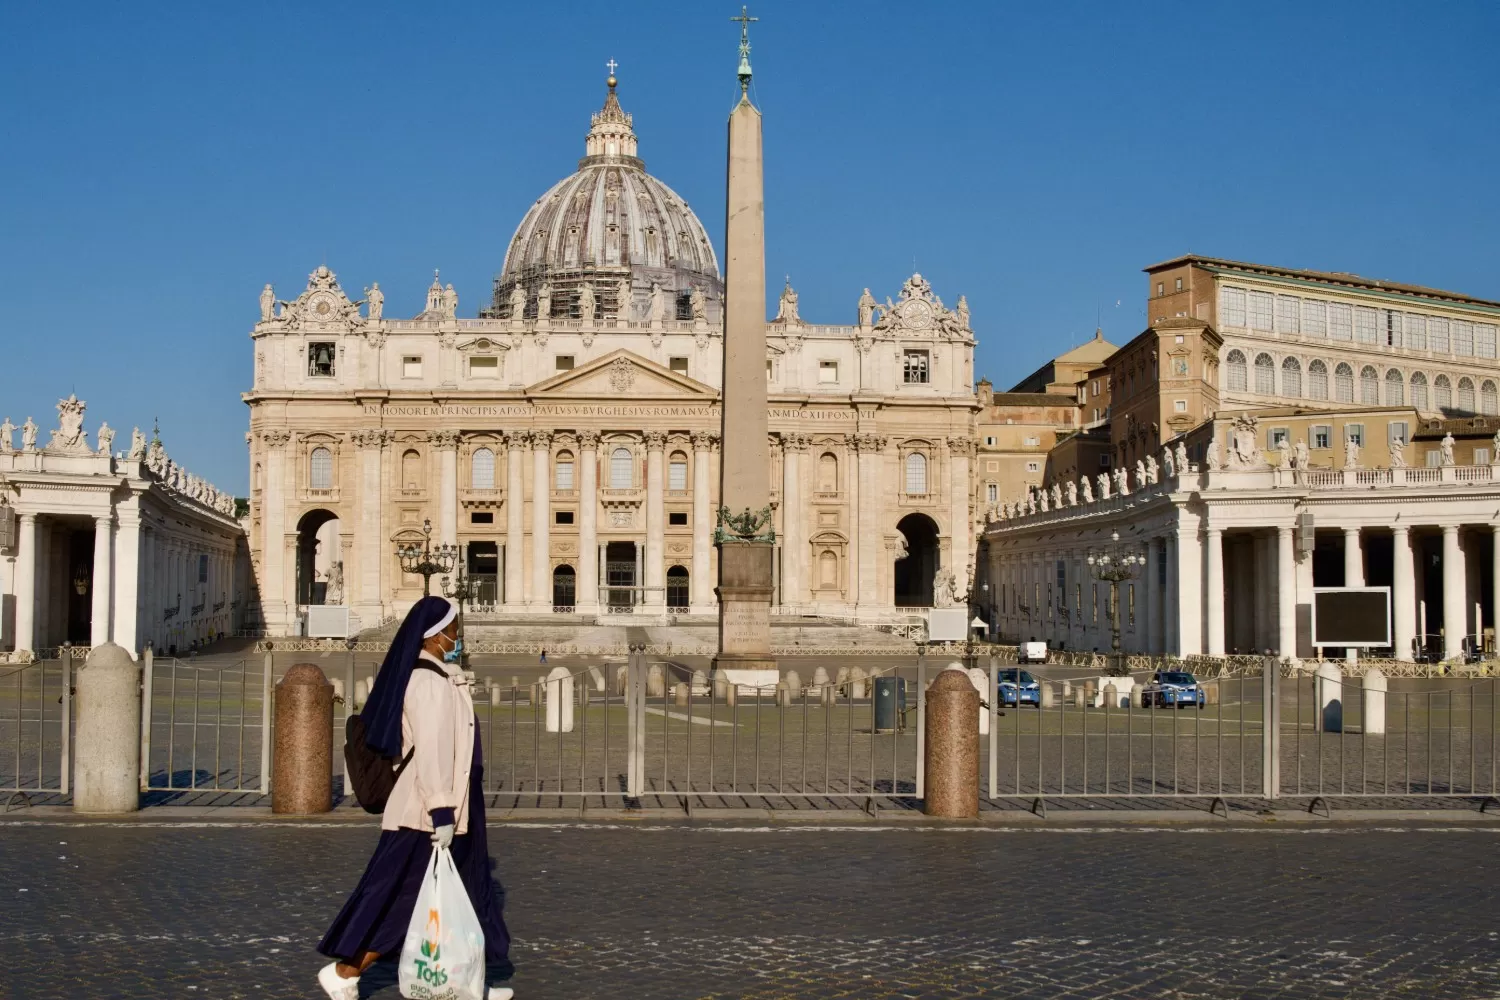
<point x="622" y="373"/>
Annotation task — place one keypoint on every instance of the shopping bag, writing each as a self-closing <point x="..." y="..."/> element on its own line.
<point x="443" y="957"/>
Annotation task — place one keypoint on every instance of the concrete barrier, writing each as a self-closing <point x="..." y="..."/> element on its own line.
<point x="302" y="770"/>
<point x="107" y="747"/>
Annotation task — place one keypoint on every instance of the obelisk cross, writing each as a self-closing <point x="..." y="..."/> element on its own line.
<point x="611" y="64"/>
<point x="744" y="71"/>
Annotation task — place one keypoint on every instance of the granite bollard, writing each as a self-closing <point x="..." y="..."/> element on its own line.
<point x="559" y="699"/>
<point x="857" y="683"/>
<point x="656" y="682"/>
<point x="981" y="681"/>
<point x="1111" y="696"/>
<point x="1372" y="702"/>
<point x="107" y="744"/>
<point x="680" y="694"/>
<point x="1329" y="682"/>
<point x="793" y="683"/>
<point x="1049" y="696"/>
<point x="597" y="676"/>
<point x="819" y="681"/>
<point x="302" y="769"/>
<point x="952" y="753"/>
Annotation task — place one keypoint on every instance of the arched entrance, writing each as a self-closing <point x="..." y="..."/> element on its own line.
<point x="564" y="588"/>
<point x="677" y="588"/>
<point x="320" y="567"/>
<point x="914" y="573"/>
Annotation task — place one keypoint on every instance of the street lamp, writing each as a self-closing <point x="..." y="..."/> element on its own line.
<point x="461" y="589"/>
<point x="977" y="622"/>
<point x="1115" y="565"/>
<point x="427" y="559"/>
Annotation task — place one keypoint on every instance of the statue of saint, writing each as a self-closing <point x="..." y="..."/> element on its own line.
<point x="106" y="438"/>
<point x="1088" y="489"/>
<point x="1300" y="457"/>
<point x="586" y="301"/>
<point x="1398" y="453"/>
<point x="1168" y="464"/>
<point x="658" y="303"/>
<point x="1072" y="493"/>
<point x="1103" y="486"/>
<point x="699" y="303"/>
<point x="1152" y="471"/>
<point x="786" y="311"/>
<point x="517" y="302"/>
<point x="944" y="589"/>
<point x="267" y="303"/>
<point x="962" y="312"/>
<point x="1140" y="474"/>
<point x="375" y="297"/>
<point x="1446" y="448"/>
<point x="1042" y="502"/>
<point x="1057" y="496"/>
<point x="1182" y="459"/>
<point x="334" y="593"/>
<point x="450" y="302"/>
<point x="544" y="300"/>
<point x="867" y="310"/>
<point x="1211" y="456"/>
<point x="1351" y="454"/>
<point x="1122" y="482"/>
<point x="7" y="437"/>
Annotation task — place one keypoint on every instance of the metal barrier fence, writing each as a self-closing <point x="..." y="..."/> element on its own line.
<point x="205" y="725"/>
<point x="36" y="719"/>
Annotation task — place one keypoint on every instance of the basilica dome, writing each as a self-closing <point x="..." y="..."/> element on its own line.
<point x="612" y="227"/>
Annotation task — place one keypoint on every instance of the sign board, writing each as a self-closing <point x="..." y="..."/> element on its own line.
<point x="947" y="624"/>
<point x="1351" y="616"/>
<point x="327" y="621"/>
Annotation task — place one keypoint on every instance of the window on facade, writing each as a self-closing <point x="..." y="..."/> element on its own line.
<point x="1463" y="338"/>
<point x="677" y="471"/>
<point x="1234" y="371"/>
<point x="828" y="372"/>
<point x="1032" y="441"/>
<point x="411" y="470"/>
<point x="828" y="473"/>
<point x="484" y="367"/>
<point x="1103" y="463"/>
<point x="1442" y="393"/>
<point x="1395" y="386"/>
<point x="1340" y="322"/>
<point x="1419" y="390"/>
<point x="1291" y="377"/>
<point x="916" y="473"/>
<point x="1355" y="433"/>
<point x="914" y="367"/>
<point x="1265" y="375"/>
<point x="1178" y="286"/>
<point x="411" y="366"/>
<point x="320" y="359"/>
<point x="621" y="469"/>
<point x="1391" y="323"/>
<point x="563" y="362"/>
<point x="1397" y="430"/>
<point x="322" y="469"/>
<point x="1434" y="458"/>
<point x="992" y="492"/>
<point x="1260" y="304"/>
<point x="1161" y="289"/>
<point x="1314" y="318"/>
<point x="1343" y="383"/>
<point x="1484" y="340"/>
<point x="1369" y="386"/>
<point x="677" y="518"/>
<point x="562" y="517"/>
<point x="1437" y="334"/>
<point x="1277" y="438"/>
<point x="678" y="365"/>
<point x="770" y="370"/>
<point x="1037" y="466"/>
<point x="1365" y="330"/>
<point x="1466" y="395"/>
<point x="989" y="441"/>
<point x="482" y="517"/>
<point x="1487" y="400"/>
<point x="1317" y="380"/>
<point x="1179" y="406"/>
<point x="1415" y="327"/>
<point x="1320" y="436"/>
<point x="482" y="469"/>
<point x="1232" y="304"/>
<point x="563" y="471"/>
<point x="1288" y="314"/>
<point x="1481" y="456"/>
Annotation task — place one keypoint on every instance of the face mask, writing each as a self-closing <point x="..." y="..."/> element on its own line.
<point x="453" y="655"/>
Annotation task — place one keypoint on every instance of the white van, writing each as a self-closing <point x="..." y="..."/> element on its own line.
<point x="1033" y="652"/>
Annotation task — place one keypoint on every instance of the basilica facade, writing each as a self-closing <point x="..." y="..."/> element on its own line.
<point x="566" y="438"/>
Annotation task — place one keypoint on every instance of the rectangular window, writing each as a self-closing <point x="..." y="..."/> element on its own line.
<point x="1484" y="340"/>
<point x="484" y="367"/>
<point x="1032" y="441"/>
<point x="828" y="372"/>
<point x="1434" y="458"/>
<point x="914" y="368"/>
<point x="1397" y="430"/>
<point x="1355" y="433"/>
<point x="1314" y="318"/>
<point x="1260" y="311"/>
<point x="564" y="362"/>
<point x="1481" y="456"/>
<point x="1391" y="322"/>
<point x="992" y="493"/>
<point x="1232" y="304"/>
<point x="1277" y="437"/>
<point x="989" y="441"/>
<point x="1340" y="321"/>
<point x="564" y="475"/>
<point x="562" y="517"/>
<point x="320" y="359"/>
<point x="1415" y="326"/>
<point x="1179" y="406"/>
<point x="677" y="518"/>
<point x="203" y="569"/>
<point x="411" y="366"/>
<point x="1365" y="325"/>
<point x="770" y="371"/>
<point x="1104" y="460"/>
<point x="678" y="365"/>
<point x="482" y="517"/>
<point x="1095" y="588"/>
<point x="1033" y="466"/>
<point x="1321" y="436"/>
<point x="1288" y="314"/>
<point x="1161" y="289"/>
<point x="677" y="476"/>
<point x="1179" y="284"/>
<point x="1463" y="338"/>
<point x="1437" y="334"/>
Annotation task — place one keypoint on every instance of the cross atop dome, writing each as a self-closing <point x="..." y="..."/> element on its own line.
<point x="611" y="134"/>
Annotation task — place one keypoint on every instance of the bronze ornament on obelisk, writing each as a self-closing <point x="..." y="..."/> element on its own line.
<point x="745" y="536"/>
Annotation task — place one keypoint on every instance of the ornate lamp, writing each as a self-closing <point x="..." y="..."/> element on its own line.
<point x="1114" y="565"/>
<point x="461" y="589"/>
<point x="427" y="559"/>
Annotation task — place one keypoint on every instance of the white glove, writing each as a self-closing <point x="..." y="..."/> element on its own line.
<point x="443" y="836"/>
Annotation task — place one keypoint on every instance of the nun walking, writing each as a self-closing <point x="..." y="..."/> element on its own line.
<point x="421" y="705"/>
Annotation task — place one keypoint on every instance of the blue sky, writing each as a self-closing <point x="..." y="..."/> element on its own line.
<point x="163" y="161"/>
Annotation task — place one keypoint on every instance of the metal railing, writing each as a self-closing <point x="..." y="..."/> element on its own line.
<point x="36" y="718"/>
<point x="205" y="726"/>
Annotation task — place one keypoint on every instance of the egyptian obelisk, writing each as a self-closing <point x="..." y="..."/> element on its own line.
<point x="745" y="537"/>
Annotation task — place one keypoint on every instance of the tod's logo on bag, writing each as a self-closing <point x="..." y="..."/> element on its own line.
<point x="427" y="966"/>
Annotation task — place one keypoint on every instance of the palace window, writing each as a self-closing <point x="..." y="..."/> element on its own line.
<point x="487" y="366"/>
<point x="1466" y="395"/>
<point x="411" y="366"/>
<point x="1415" y="326"/>
<point x="1484" y="340"/>
<point x="1369" y="386"/>
<point x="1179" y="406"/>
<point x="914" y="368"/>
<point x="1365" y="326"/>
<point x="1288" y="314"/>
<point x="1392" y="325"/>
<point x="1260" y="311"/>
<point x="1265" y="375"/>
<point x="992" y="492"/>
<point x="677" y="471"/>
<point x="1343" y="383"/>
<point x="1437" y="334"/>
<point x="1317" y="380"/>
<point x="1320" y="436"/>
<point x="916" y="473"/>
<point x="677" y="588"/>
<point x="1419" y="390"/>
<point x="1037" y="466"/>
<point x="564" y="362"/>
<point x="482" y="469"/>
<point x="1442" y="393"/>
<point x="828" y="372"/>
<point x="1277" y="438"/>
<point x="1340" y="321"/>
<point x="1434" y="458"/>
<point x="1291" y="377"/>
<point x="563" y="517"/>
<point x="1463" y="338"/>
<point x="1355" y="433"/>
<point x="1397" y="430"/>
<point x="1232" y="303"/>
<point x="322" y="469"/>
<point x="1481" y="456"/>
<point x="1179" y="285"/>
<point x="1395" y="387"/>
<point x="1314" y="318"/>
<point x="621" y="469"/>
<point x="563" y="474"/>
<point x="320" y="359"/>
<point x="1234" y="368"/>
<point x="678" y="365"/>
<point x="677" y="518"/>
<point x="1487" y="400"/>
<point x="482" y="517"/>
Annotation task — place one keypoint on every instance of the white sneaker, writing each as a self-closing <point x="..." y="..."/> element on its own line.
<point x="335" y="985"/>
<point x="499" y="993"/>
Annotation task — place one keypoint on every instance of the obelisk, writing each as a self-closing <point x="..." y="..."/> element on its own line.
<point x="745" y="537"/>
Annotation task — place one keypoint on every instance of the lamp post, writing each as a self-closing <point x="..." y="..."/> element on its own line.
<point x="428" y="559"/>
<point x="1114" y="565"/>
<point x="461" y="589"/>
<point x="976" y="622"/>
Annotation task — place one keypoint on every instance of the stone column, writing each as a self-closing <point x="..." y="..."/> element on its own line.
<point x="960" y="451"/>
<point x="1214" y="590"/>
<point x="1171" y="602"/>
<point x="701" y="583"/>
<point x="1454" y="597"/>
<point x="793" y="545"/>
<point x="541" y="521"/>
<point x="278" y="605"/>
<point x="851" y="483"/>
<point x="446" y="443"/>
<point x="871" y="455"/>
<point x="656" y="593"/>
<point x="1286" y="592"/>
<point x="25" y="583"/>
<point x="515" y="492"/>
<point x="102" y="592"/>
<point x="1152" y="637"/>
<point x="107" y="764"/>
<point x="588" y="523"/>
<point x="1403" y="599"/>
<point x="367" y="596"/>
<point x="1354" y="563"/>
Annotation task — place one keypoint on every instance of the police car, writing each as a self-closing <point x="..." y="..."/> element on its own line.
<point x="1018" y="687"/>
<point x="1173" y="689"/>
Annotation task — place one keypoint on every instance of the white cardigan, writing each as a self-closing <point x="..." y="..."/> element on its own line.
<point x="437" y="718"/>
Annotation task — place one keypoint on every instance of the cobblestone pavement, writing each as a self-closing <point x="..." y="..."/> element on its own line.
<point x="710" y="913"/>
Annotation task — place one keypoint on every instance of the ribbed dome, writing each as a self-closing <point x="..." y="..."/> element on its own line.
<point x="610" y="220"/>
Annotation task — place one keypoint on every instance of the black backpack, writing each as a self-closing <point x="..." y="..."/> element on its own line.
<point x="373" y="775"/>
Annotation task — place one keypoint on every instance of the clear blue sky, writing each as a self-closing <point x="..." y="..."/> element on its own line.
<point x="163" y="161"/>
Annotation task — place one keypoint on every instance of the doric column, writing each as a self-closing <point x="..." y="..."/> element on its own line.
<point x="541" y="521"/>
<point x="588" y="523"/>
<point x="1171" y="640"/>
<point x="656" y="547"/>
<point x="960" y="451"/>
<point x="446" y="443"/>
<point x="1214" y="589"/>
<point x="871" y="454"/>
<point x="1403" y="598"/>
<point x="103" y="582"/>
<point x="364" y="589"/>
<point x="793" y="541"/>
<point x="277" y="605"/>
<point x="515" y="560"/>
<point x="1152" y="634"/>
<point x="1354" y="562"/>
<point x="25" y="583"/>
<point x="702" y="581"/>
<point x="1453" y="594"/>
<point x="1286" y="592"/>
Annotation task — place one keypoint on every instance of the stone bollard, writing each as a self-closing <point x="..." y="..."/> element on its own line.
<point x="338" y="689"/>
<point x="559" y="698"/>
<point x="622" y="679"/>
<point x="1329" y="682"/>
<point x="1137" y="693"/>
<point x="1372" y="702"/>
<point x="731" y="695"/>
<point x="952" y="757"/>
<point x="1067" y="690"/>
<point x="302" y="770"/>
<point x="700" y="684"/>
<point x="597" y="676"/>
<point x="680" y="694"/>
<point x="721" y="687"/>
<point x="857" y="683"/>
<point x="819" y="682"/>
<point x="494" y="693"/>
<point x="107" y="744"/>
<point x="1211" y="693"/>
<point x="1111" y="696"/>
<point x="829" y="696"/>
<point x="1079" y="700"/>
<point x="981" y="681"/>
<point x="656" y="682"/>
<point x="1088" y="693"/>
<point x="1049" y="697"/>
<point x="793" y="684"/>
<point x="783" y="698"/>
<point x="361" y="693"/>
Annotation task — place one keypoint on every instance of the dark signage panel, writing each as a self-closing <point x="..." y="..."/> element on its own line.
<point x="1351" y="617"/>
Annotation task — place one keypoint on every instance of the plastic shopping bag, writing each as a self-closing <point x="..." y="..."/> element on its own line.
<point x="443" y="957"/>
